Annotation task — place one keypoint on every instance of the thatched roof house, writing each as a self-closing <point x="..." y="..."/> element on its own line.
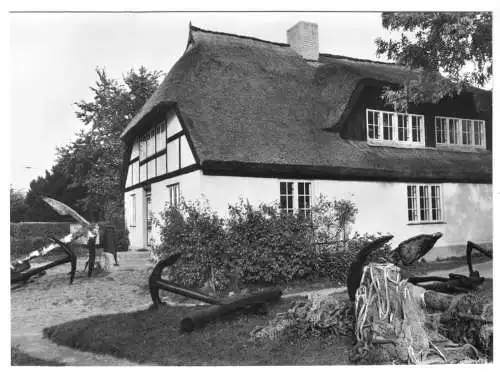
<point x="258" y="106"/>
<point x="293" y="122"/>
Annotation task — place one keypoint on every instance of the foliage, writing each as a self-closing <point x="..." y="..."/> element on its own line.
<point x="198" y="232"/>
<point x="438" y="43"/>
<point x="18" y="207"/>
<point x="267" y="245"/>
<point x="255" y="244"/>
<point x="94" y="159"/>
<point x="87" y="173"/>
<point x="332" y="221"/>
<point x="55" y="185"/>
<point x="26" y="237"/>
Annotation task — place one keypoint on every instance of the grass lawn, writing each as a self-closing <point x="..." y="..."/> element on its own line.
<point x="153" y="337"/>
<point x="19" y="358"/>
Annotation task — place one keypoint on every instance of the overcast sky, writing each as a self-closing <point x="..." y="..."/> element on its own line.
<point x="53" y="60"/>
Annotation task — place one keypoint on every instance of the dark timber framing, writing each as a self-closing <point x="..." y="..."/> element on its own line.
<point x="184" y="170"/>
<point x="159" y="114"/>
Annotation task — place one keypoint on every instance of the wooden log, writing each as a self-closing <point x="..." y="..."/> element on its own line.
<point x="201" y="317"/>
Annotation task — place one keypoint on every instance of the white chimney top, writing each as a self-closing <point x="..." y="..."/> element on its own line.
<point x="303" y="38"/>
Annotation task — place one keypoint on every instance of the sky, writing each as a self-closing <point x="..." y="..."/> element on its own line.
<point x="53" y="57"/>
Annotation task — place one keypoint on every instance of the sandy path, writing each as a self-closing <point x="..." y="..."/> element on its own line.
<point x="50" y="300"/>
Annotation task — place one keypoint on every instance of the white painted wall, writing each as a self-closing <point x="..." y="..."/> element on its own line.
<point x="190" y="190"/>
<point x="382" y="207"/>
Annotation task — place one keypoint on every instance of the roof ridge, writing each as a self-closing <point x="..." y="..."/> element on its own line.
<point x="195" y="28"/>
<point x="358" y="59"/>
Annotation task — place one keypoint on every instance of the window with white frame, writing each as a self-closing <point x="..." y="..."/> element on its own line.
<point x="286" y="196"/>
<point x="386" y="127"/>
<point x="296" y="197"/>
<point x="424" y="203"/>
<point x="174" y="194"/>
<point x="304" y="198"/>
<point x="460" y="132"/>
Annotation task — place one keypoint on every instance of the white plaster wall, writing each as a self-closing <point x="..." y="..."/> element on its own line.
<point x="382" y="207"/>
<point x="187" y="157"/>
<point x="173" y="124"/>
<point x="220" y="191"/>
<point x="190" y="190"/>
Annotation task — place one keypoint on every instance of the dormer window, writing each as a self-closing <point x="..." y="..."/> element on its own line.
<point x="391" y="128"/>
<point x="460" y="132"/>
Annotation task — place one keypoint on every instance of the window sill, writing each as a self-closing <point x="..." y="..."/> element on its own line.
<point x="427" y="223"/>
<point x="394" y="144"/>
<point x="461" y="147"/>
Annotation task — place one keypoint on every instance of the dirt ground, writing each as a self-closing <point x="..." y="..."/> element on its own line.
<point x="50" y="300"/>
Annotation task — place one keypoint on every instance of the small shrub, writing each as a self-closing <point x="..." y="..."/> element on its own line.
<point x="258" y="244"/>
<point x="198" y="232"/>
<point x="269" y="246"/>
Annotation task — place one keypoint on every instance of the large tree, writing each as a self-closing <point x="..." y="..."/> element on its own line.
<point x="87" y="173"/>
<point x="94" y="159"/>
<point x="55" y="184"/>
<point x="452" y="51"/>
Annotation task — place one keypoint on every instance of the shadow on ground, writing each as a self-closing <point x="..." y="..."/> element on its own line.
<point x="153" y="337"/>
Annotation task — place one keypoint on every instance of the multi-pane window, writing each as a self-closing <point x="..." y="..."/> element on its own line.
<point x="304" y="198"/>
<point x="150" y="143"/>
<point x="387" y="125"/>
<point x="416" y="127"/>
<point x="424" y="203"/>
<point x="161" y="137"/>
<point x="479" y="133"/>
<point x="397" y="128"/>
<point x="161" y="150"/>
<point x="453" y="131"/>
<point x="142" y="147"/>
<point x="461" y="132"/>
<point x="286" y="196"/>
<point x="402" y="127"/>
<point x="466" y="131"/>
<point x="441" y="131"/>
<point x="174" y="194"/>
<point x="296" y="196"/>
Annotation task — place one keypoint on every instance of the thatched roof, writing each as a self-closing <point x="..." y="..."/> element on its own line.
<point x="253" y="106"/>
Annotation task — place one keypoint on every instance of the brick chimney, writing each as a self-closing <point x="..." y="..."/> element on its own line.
<point x="303" y="38"/>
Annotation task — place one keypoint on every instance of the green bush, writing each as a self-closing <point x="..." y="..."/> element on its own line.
<point x="26" y="237"/>
<point x="198" y="232"/>
<point x="42" y="229"/>
<point x="268" y="246"/>
<point x="257" y="244"/>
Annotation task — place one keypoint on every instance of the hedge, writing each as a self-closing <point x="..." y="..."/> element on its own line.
<point x="258" y="244"/>
<point x="29" y="236"/>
